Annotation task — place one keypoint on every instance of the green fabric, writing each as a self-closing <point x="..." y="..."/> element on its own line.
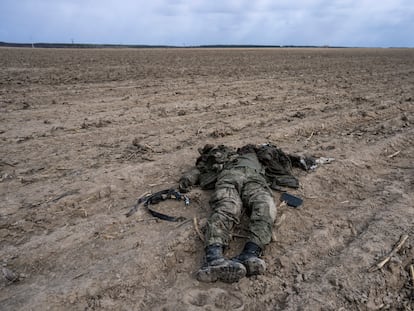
<point x="241" y="183"/>
<point x="247" y="160"/>
<point x="189" y="179"/>
<point x="211" y="162"/>
<point x="278" y="167"/>
<point x="240" y="188"/>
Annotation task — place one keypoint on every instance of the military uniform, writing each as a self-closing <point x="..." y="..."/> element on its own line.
<point x="241" y="183"/>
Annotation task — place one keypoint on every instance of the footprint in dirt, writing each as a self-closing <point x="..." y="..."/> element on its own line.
<point x="214" y="299"/>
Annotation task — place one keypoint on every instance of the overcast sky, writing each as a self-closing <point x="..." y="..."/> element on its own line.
<point x="379" y="23"/>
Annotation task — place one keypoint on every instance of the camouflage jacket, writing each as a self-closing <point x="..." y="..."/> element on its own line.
<point x="212" y="160"/>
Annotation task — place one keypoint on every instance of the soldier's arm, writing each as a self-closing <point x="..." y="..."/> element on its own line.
<point x="189" y="179"/>
<point x="308" y="163"/>
<point x="305" y="163"/>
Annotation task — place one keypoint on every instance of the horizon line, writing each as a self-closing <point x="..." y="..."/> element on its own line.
<point x="114" y="45"/>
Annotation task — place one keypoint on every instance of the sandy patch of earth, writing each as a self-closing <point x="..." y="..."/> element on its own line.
<point x="70" y="168"/>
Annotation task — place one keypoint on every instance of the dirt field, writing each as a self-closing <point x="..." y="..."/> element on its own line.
<point x="84" y="133"/>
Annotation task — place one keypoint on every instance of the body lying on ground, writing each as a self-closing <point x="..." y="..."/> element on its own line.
<point x="242" y="180"/>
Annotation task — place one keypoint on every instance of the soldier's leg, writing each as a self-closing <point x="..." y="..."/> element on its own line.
<point x="227" y="209"/>
<point x="260" y="202"/>
<point x="227" y="205"/>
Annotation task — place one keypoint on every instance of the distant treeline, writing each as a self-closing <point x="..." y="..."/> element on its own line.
<point x="76" y="45"/>
<point x="141" y="46"/>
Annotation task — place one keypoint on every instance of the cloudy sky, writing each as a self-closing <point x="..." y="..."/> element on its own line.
<point x="381" y="23"/>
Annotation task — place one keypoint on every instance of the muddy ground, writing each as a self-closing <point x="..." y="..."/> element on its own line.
<point x="84" y="133"/>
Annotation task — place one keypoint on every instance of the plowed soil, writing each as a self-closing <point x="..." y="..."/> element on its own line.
<point x="84" y="133"/>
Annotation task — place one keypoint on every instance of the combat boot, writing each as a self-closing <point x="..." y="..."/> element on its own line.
<point x="218" y="268"/>
<point x="249" y="257"/>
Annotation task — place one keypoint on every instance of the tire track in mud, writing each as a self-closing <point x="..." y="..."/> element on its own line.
<point x="349" y="241"/>
<point x="343" y="248"/>
<point x="335" y="279"/>
<point x="320" y="271"/>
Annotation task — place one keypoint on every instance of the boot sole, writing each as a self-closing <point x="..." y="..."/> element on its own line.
<point x="255" y="266"/>
<point x="228" y="273"/>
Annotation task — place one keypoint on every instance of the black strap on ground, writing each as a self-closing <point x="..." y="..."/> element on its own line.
<point x="156" y="198"/>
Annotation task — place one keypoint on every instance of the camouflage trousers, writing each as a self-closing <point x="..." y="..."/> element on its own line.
<point x="238" y="190"/>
